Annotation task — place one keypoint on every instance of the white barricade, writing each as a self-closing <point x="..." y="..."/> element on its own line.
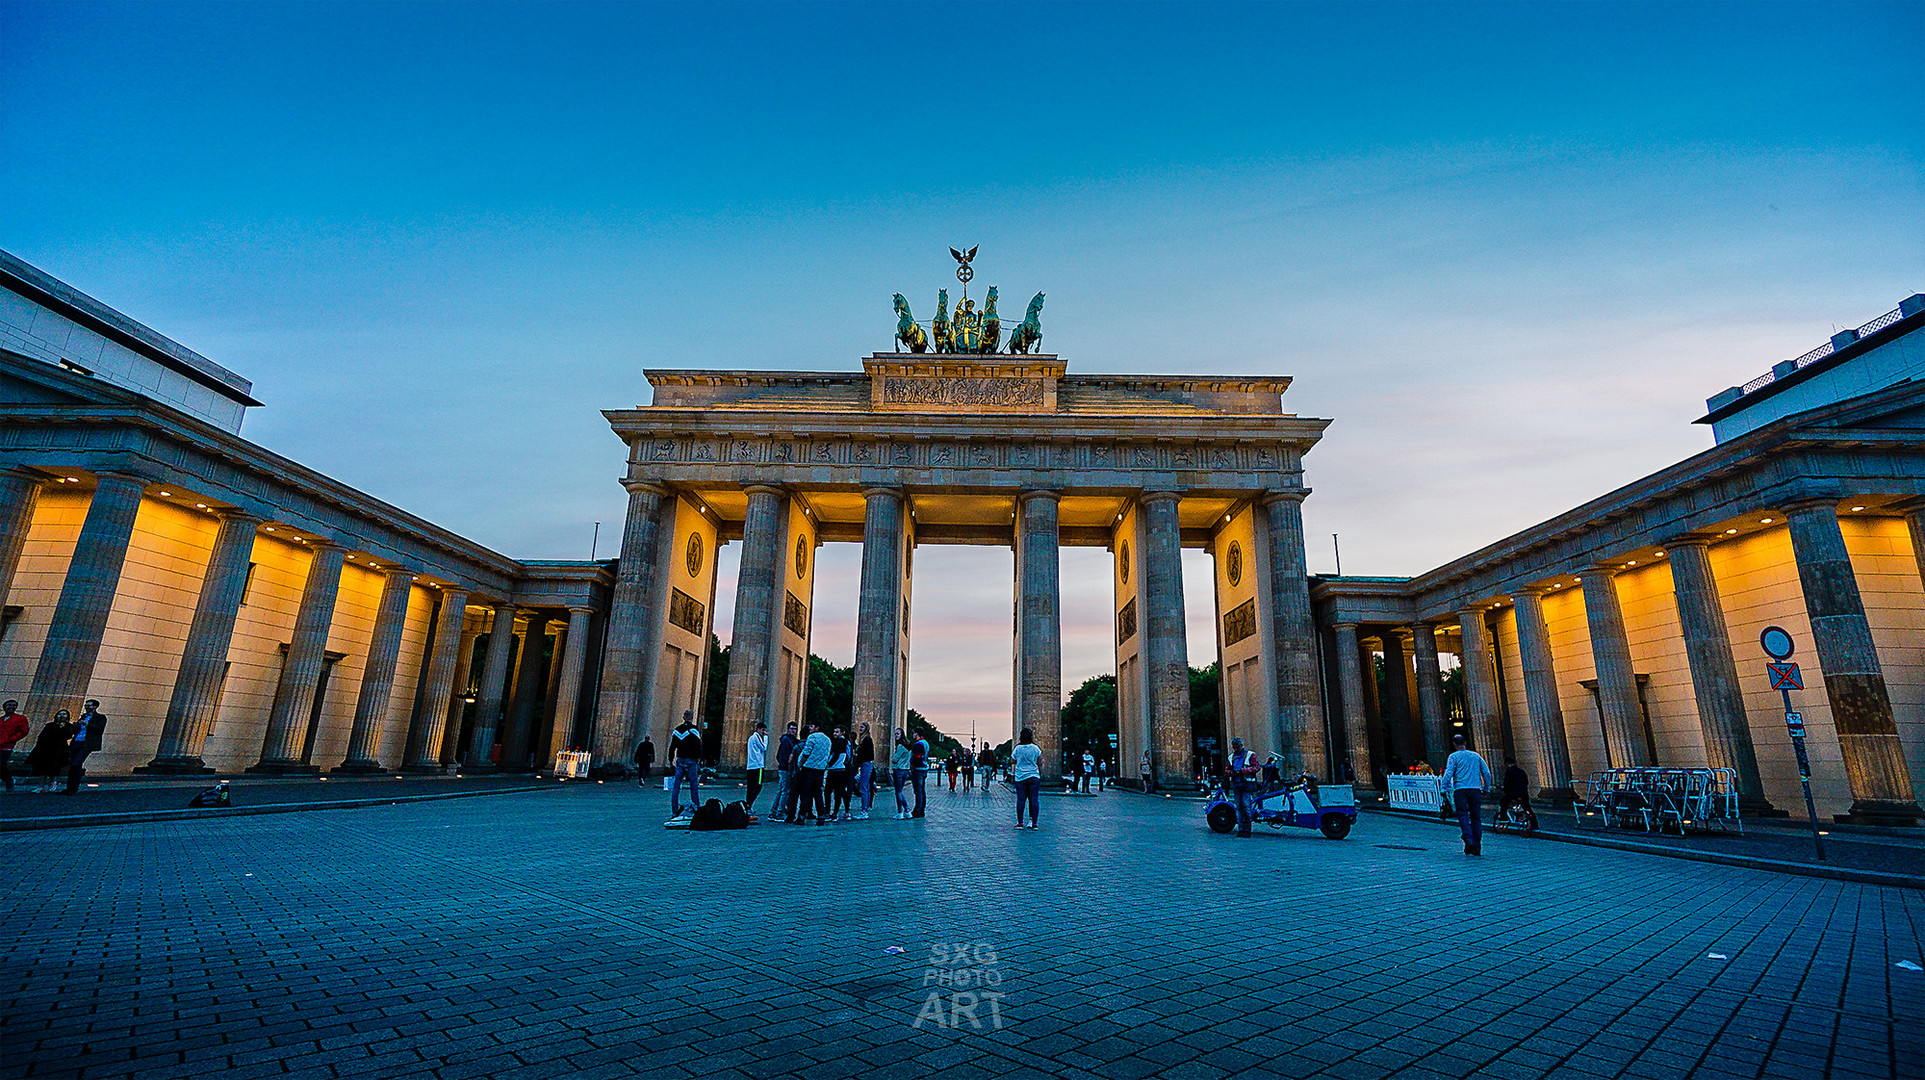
<point x="1416" y="792"/>
<point x="572" y="764"/>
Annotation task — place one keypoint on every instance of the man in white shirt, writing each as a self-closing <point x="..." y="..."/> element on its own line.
<point x="1088" y="770"/>
<point x="1466" y="777"/>
<point x="755" y="760"/>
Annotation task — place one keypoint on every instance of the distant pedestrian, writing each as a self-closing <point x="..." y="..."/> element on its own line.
<point x="1466" y="777"/>
<point x="969" y="772"/>
<point x="1028" y="763"/>
<point x="899" y="760"/>
<point x="811" y="770"/>
<point x="1245" y="771"/>
<point x="841" y="769"/>
<point x="1088" y="769"/>
<point x="685" y="750"/>
<point x="865" y="772"/>
<point x="86" y="738"/>
<point x="644" y="758"/>
<point x="918" y="773"/>
<point x="986" y="764"/>
<point x="755" y="756"/>
<point x="785" y="770"/>
<point x="13" y="728"/>
<point x="1149" y="778"/>
<point x="49" y="758"/>
<point x="954" y="765"/>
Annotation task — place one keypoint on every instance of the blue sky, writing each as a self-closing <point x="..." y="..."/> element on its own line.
<point x="1508" y="248"/>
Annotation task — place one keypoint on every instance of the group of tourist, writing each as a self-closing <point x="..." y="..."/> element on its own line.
<point x="61" y="748"/>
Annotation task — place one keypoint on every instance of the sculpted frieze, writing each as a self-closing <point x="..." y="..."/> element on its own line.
<point x="963" y="392"/>
<point x="983" y="452"/>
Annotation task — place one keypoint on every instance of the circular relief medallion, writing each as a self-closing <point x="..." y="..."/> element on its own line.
<point x="1233" y="563"/>
<point x="801" y="556"/>
<point x="1123" y="561"/>
<point x="694" y="554"/>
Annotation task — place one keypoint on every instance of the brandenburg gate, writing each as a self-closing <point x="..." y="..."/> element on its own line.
<point x="932" y="448"/>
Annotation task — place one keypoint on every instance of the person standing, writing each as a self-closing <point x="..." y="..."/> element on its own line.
<point x="986" y="765"/>
<point x="754" y="757"/>
<point x="969" y="772"/>
<point x="1149" y="778"/>
<point x="13" y="728"/>
<point x="811" y="768"/>
<point x="86" y="738"/>
<point x="899" y="773"/>
<point x="685" y="750"/>
<point x="841" y="766"/>
<point x="644" y="758"/>
<point x="865" y="772"/>
<point x="49" y="757"/>
<point x="1465" y="777"/>
<point x="918" y="768"/>
<point x="1027" y="760"/>
<point x="784" y="771"/>
<point x="1244" y="771"/>
<point x="1089" y="767"/>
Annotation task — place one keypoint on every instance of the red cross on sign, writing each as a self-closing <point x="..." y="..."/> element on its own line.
<point x="1785" y="676"/>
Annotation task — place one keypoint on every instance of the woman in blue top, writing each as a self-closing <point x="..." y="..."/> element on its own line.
<point x="1027" y="762"/>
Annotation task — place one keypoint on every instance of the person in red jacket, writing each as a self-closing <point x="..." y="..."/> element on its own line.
<point x="13" y="728"/>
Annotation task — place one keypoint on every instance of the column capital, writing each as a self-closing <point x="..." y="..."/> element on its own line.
<point x="1295" y="495"/>
<point x="1535" y="591"/>
<point x="140" y="477"/>
<point x="1477" y="609"/>
<point x="1600" y="571"/>
<point x="318" y="544"/>
<point x="1159" y="496"/>
<point x="884" y="489"/>
<point x="1812" y="503"/>
<point x="580" y="609"/>
<point x="391" y="571"/>
<point x="1051" y="494"/>
<point x="1688" y="540"/>
<point x="772" y="489"/>
<point x="653" y="487"/>
<point x="245" y="517"/>
<point x="1351" y="626"/>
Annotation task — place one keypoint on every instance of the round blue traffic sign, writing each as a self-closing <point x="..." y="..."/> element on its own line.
<point x="1777" y="643"/>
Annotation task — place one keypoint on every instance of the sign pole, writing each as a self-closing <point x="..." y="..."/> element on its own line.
<point x="1785" y="678"/>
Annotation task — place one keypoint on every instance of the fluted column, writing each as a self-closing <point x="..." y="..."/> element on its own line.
<point x="755" y="597"/>
<point x="1484" y="715"/>
<point x="456" y="705"/>
<point x="203" y="662"/>
<point x="301" y="668"/>
<point x="516" y="737"/>
<point x="19" y="495"/>
<point x="1300" y="735"/>
<point x="1550" y="750"/>
<point x="86" y="598"/>
<point x="377" y="675"/>
<point x="426" y="735"/>
<point x="493" y="690"/>
<point x="1356" y="720"/>
<point x="568" y="685"/>
<point x="1617" y="684"/>
<point x="629" y="646"/>
<point x="879" y="618"/>
<point x="1039" y="648"/>
<point x="1714" y="671"/>
<point x="1166" y="660"/>
<point x="1914" y="520"/>
<point x="1861" y="706"/>
<point x="1394" y="695"/>
<point x="1430" y="692"/>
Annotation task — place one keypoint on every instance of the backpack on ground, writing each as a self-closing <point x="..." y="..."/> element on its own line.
<point x="735" y="816"/>
<point x="708" y="816"/>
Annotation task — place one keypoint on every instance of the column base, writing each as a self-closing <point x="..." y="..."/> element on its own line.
<point x="180" y="766"/>
<point x="1882" y="813"/>
<point x="1562" y="796"/>
<point x="360" y="768"/>
<point x="1759" y="808"/>
<point x="433" y="768"/>
<point x="284" y="768"/>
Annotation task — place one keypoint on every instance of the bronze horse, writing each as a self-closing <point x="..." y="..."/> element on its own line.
<point x="945" y="338"/>
<point x="908" y="334"/>
<point x="992" y="326"/>
<point x="1029" y="333"/>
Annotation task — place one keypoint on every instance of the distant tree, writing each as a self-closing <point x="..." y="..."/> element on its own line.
<point x="713" y="701"/>
<point x="830" y="701"/>
<point x="1089" y="718"/>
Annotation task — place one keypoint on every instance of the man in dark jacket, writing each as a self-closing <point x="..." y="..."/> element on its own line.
<point x="86" y="739"/>
<point x="685" y="750"/>
<point x="784" y="771"/>
<point x="645" y="757"/>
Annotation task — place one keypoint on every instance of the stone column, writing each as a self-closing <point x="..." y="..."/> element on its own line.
<point x="1551" y="754"/>
<point x="1039" y="644"/>
<point x="879" y="619"/>
<point x="203" y="663"/>
<point x="1861" y="706"/>
<point x="1714" y="671"/>
<point x="493" y="690"/>
<point x="568" y="686"/>
<point x="1356" y="719"/>
<point x="425" y="735"/>
<point x="626" y="652"/>
<point x="1300" y="735"/>
<point x="1914" y="519"/>
<point x="1395" y="700"/>
<point x="1166" y="654"/>
<point x="301" y="668"/>
<point x="1481" y="707"/>
<point x="80" y="616"/>
<point x="19" y="495"/>
<point x="1617" y="685"/>
<point x="1430" y="692"/>
<point x="377" y="675"/>
<point x="456" y="703"/>
<point x="756" y="590"/>
<point x="515" y="741"/>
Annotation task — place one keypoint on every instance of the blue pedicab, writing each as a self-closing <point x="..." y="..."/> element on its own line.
<point x="1302" y="803"/>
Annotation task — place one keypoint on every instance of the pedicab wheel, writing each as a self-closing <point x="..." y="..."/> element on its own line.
<point x="1222" y="819"/>
<point x="1335" y="826"/>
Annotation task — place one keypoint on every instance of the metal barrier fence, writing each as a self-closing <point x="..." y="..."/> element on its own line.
<point x="572" y="763"/>
<point x="1416" y="792"/>
<point x="1660" y="800"/>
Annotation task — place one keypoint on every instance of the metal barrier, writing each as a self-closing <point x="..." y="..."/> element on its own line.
<point x="1416" y="792"/>
<point x="572" y="764"/>
<point x="1660" y="800"/>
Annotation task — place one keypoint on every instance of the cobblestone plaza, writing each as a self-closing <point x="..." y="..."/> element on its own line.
<point x="565" y="933"/>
